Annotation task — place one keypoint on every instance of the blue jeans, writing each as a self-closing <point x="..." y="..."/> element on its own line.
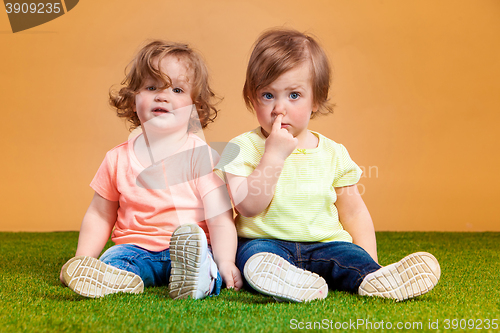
<point x="153" y="267"/>
<point x="342" y="264"/>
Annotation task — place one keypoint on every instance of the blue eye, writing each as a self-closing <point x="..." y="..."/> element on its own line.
<point x="267" y="95"/>
<point x="294" y="95"/>
<point x="151" y="88"/>
<point x="177" y="90"/>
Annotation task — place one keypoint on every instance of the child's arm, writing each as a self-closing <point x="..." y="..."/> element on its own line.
<point x="96" y="227"/>
<point x="356" y="219"/>
<point x="252" y="194"/>
<point x="223" y="237"/>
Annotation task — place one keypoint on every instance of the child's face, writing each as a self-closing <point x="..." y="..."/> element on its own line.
<point x="168" y="109"/>
<point x="291" y="95"/>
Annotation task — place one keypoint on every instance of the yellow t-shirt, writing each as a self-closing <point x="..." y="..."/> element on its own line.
<point x="303" y="207"/>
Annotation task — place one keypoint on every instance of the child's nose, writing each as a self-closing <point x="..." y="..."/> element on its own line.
<point x="279" y="108"/>
<point x="161" y="96"/>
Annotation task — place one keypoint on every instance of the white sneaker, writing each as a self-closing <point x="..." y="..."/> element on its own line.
<point x="90" y="277"/>
<point x="412" y="276"/>
<point x="272" y="275"/>
<point x="194" y="272"/>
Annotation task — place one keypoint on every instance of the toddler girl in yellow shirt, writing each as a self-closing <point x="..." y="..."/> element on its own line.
<point x="302" y="224"/>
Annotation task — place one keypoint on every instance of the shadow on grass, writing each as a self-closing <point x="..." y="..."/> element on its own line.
<point x="64" y="297"/>
<point x="242" y="296"/>
<point x="245" y="297"/>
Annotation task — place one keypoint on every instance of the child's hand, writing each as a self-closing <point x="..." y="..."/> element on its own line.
<point x="280" y="142"/>
<point x="231" y="275"/>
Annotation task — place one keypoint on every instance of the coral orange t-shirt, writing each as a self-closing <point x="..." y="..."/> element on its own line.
<point x="154" y="201"/>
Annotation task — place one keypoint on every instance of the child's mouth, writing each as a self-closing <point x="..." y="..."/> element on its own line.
<point x="160" y="111"/>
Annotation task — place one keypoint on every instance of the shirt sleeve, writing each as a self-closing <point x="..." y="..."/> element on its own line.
<point x="239" y="158"/>
<point x="104" y="182"/>
<point x="347" y="172"/>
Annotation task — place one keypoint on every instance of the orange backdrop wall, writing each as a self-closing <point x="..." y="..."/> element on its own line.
<point x="416" y="84"/>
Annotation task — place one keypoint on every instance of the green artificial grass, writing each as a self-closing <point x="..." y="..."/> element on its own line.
<point x="33" y="300"/>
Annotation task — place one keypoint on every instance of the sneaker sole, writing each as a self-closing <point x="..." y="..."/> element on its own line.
<point x="412" y="276"/>
<point x="186" y="256"/>
<point x="92" y="278"/>
<point x="272" y="275"/>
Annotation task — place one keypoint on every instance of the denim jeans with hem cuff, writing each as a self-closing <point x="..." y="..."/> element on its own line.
<point x="343" y="265"/>
<point x="153" y="267"/>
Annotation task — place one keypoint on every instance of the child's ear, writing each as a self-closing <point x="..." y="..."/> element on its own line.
<point x="315" y="107"/>
<point x="253" y="102"/>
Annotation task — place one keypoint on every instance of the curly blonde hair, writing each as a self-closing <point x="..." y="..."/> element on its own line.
<point x="144" y="66"/>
